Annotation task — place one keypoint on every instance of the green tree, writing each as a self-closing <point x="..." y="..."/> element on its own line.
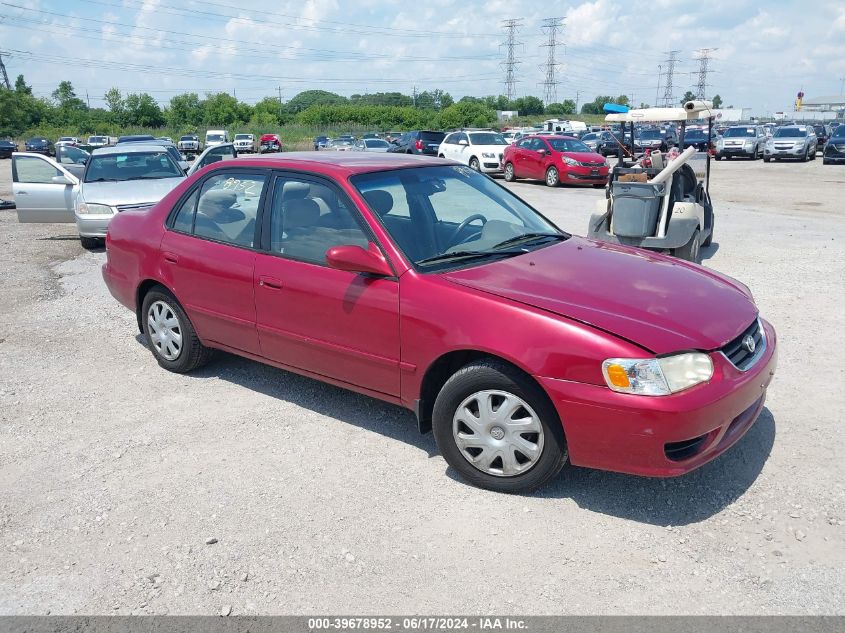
<point x="527" y="106"/>
<point x="596" y="105"/>
<point x="309" y="98"/>
<point x="21" y="87"/>
<point x="185" y="111"/>
<point x="143" y="111"/>
<point x="464" y="114"/>
<point x="268" y="111"/>
<point x="717" y="101"/>
<point x="222" y="109"/>
<point x="688" y="96"/>
<point x="116" y="105"/>
<point x="567" y="107"/>
<point x="66" y="97"/>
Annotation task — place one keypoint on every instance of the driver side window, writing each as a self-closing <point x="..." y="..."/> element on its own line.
<point x="33" y="170"/>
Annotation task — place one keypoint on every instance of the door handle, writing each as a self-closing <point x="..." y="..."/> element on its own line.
<point x="21" y="193"/>
<point x="270" y="282"/>
<point x="171" y="258"/>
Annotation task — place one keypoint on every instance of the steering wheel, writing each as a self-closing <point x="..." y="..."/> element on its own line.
<point x="463" y="225"/>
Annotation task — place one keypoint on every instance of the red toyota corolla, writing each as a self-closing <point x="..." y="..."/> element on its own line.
<point x="428" y="285"/>
<point x="555" y="159"/>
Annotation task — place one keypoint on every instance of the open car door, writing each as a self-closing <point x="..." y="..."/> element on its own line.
<point x="44" y="190"/>
<point x="213" y="154"/>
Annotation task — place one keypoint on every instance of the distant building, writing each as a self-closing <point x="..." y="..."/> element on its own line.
<point x="506" y="115"/>
<point x="732" y="115"/>
<point x="834" y="103"/>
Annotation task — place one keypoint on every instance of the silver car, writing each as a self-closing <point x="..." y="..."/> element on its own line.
<point x="792" y="141"/>
<point x="371" y="145"/>
<point x="742" y="140"/>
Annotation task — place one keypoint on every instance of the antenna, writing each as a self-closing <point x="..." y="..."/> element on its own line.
<point x="551" y="27"/>
<point x="704" y="61"/>
<point x="511" y="28"/>
<point x="668" y="95"/>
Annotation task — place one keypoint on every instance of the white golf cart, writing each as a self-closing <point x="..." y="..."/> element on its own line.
<point x="665" y="206"/>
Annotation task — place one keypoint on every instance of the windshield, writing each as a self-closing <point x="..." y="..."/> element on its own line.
<point x="459" y="216"/>
<point x="790" y="132"/>
<point x="131" y="166"/>
<point x="242" y="137"/>
<point x="432" y="137"/>
<point x="376" y="143"/>
<point x="735" y="132"/>
<point x="695" y="134"/>
<point x="188" y="138"/>
<point x="214" y="137"/>
<point x="66" y="138"/>
<point x="838" y="136"/>
<point x="651" y="135"/>
<point x="97" y="139"/>
<point x="568" y="145"/>
<point x="487" y="138"/>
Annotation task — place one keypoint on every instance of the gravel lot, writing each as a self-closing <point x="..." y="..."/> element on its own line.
<point x="116" y="474"/>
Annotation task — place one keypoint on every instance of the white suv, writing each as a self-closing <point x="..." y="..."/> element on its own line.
<point x="245" y="143"/>
<point x="481" y="151"/>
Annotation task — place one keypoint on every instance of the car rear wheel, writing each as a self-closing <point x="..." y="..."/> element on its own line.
<point x="170" y="335"/>
<point x="498" y="429"/>
<point x="510" y="175"/>
<point x="766" y="159"/>
<point x="474" y="165"/>
<point x="691" y="251"/>
<point x="90" y="243"/>
<point x="552" y="177"/>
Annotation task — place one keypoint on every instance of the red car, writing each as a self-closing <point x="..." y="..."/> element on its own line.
<point x="430" y="286"/>
<point x="270" y="143"/>
<point x="555" y="159"/>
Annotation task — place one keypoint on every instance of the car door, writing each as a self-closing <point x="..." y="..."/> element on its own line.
<point x="213" y="154"/>
<point x="208" y="255"/>
<point x="447" y="147"/>
<point x="334" y="323"/>
<point x="534" y="160"/>
<point x="44" y="191"/>
<point x="519" y="158"/>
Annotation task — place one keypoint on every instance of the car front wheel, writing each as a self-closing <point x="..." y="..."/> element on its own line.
<point x="510" y="175"/>
<point x="498" y="429"/>
<point x="552" y="177"/>
<point x="169" y="333"/>
<point x="474" y="165"/>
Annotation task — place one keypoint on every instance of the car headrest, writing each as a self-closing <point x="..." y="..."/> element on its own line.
<point x="301" y="213"/>
<point x="295" y="191"/>
<point x="215" y="201"/>
<point x="380" y="200"/>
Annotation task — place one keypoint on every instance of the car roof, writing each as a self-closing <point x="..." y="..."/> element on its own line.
<point x="335" y="163"/>
<point x="129" y="148"/>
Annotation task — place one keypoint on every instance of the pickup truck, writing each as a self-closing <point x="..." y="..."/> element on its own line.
<point x="189" y="144"/>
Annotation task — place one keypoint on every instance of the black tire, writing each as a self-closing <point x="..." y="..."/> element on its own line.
<point x="510" y="174"/>
<point x="691" y="251"/>
<point x="496" y="375"/>
<point x="91" y="243"/>
<point x="766" y="159"/>
<point x="806" y="157"/>
<point x="826" y="162"/>
<point x="552" y="177"/>
<point x="474" y="164"/>
<point x="815" y="153"/>
<point x="193" y="354"/>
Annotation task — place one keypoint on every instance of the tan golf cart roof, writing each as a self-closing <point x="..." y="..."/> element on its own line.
<point x="691" y="111"/>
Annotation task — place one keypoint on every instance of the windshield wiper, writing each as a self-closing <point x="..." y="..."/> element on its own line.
<point x="104" y="180"/>
<point x="444" y="257"/>
<point x="529" y="237"/>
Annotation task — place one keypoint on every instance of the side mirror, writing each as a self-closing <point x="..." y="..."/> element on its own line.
<point x="61" y="180"/>
<point x="541" y="151"/>
<point x="463" y="142"/>
<point x="355" y="259"/>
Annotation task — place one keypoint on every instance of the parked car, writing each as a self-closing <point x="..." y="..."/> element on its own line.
<point x="115" y="179"/>
<point x="189" y="144"/>
<point x="612" y="359"/>
<point x="834" y="149"/>
<point x="270" y="143"/>
<point x="603" y="143"/>
<point x="171" y="149"/>
<point x="371" y="145"/>
<point x="657" y="139"/>
<point x="72" y="158"/>
<point x="822" y="131"/>
<point x="419" y="142"/>
<point x="340" y="145"/>
<point x="245" y="143"/>
<point x="98" y="141"/>
<point x="7" y="147"/>
<point x="697" y="138"/>
<point x="792" y="141"/>
<point x="321" y="142"/>
<point x="166" y="139"/>
<point x="742" y="140"/>
<point x="40" y="145"/>
<point x="371" y="135"/>
<point x="555" y="159"/>
<point x="67" y="140"/>
<point x="216" y="137"/>
<point x="134" y="138"/>
<point x="482" y="151"/>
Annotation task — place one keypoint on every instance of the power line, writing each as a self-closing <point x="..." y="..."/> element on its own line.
<point x="551" y="27"/>
<point x="668" y="94"/>
<point x="511" y="28"/>
<point x="5" y="76"/>
<point x="704" y="62"/>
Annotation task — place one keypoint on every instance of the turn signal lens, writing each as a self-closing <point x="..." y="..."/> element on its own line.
<point x="617" y="376"/>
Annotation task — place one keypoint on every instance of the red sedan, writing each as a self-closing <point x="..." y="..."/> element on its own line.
<point x="555" y="159"/>
<point x="428" y="285"/>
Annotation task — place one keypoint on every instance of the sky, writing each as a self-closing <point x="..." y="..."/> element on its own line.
<point x="765" y="51"/>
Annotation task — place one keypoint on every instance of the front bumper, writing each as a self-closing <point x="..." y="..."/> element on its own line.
<point x="792" y="152"/>
<point x="736" y="151"/>
<point x="93" y="225"/>
<point x="637" y="434"/>
<point x="584" y="175"/>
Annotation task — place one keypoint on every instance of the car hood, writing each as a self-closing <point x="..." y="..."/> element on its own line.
<point x="660" y="303"/>
<point x="128" y="192"/>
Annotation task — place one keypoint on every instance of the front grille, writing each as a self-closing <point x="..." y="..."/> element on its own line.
<point x="589" y="164"/>
<point x="743" y="355"/>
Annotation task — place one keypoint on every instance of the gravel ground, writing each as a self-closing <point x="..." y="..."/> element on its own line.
<point x="127" y="489"/>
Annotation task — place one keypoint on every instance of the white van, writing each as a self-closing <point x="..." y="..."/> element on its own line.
<point x="216" y="137"/>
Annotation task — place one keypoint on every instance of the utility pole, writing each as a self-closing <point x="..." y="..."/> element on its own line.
<point x="414" y="95"/>
<point x="511" y="28"/>
<point x="280" y="102"/>
<point x="659" y="77"/>
<point x="668" y="94"/>
<point x="577" y="100"/>
<point x="841" y="86"/>
<point x="88" y="99"/>
<point x="5" y="76"/>
<point x="551" y="27"/>
<point x="703" y="61"/>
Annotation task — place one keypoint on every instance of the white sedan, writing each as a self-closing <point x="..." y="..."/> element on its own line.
<point x="481" y="151"/>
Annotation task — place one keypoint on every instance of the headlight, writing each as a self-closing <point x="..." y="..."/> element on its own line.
<point x="488" y="155"/>
<point x="657" y="376"/>
<point x="570" y="161"/>
<point x="86" y="208"/>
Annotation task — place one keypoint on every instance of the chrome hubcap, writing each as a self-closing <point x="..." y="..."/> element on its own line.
<point x="498" y="433"/>
<point x="164" y="330"/>
<point x="551" y="177"/>
<point x="509" y="171"/>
